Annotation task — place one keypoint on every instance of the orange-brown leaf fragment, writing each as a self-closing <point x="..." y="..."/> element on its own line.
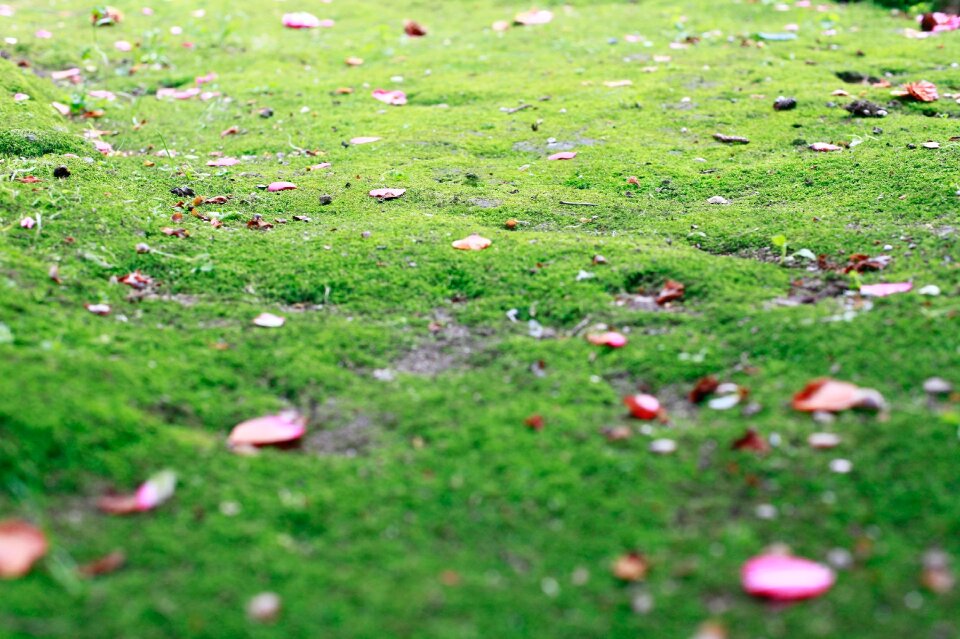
<point x="631" y="567"/>
<point x="104" y="565"/>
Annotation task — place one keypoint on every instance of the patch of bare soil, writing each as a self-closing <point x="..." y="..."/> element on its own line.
<point x="335" y="431"/>
<point x="449" y="345"/>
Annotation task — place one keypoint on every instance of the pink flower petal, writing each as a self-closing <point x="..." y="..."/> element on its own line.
<point x="387" y="194"/>
<point x="269" y="320"/>
<point x="20" y="97"/>
<point x="203" y="79"/>
<point x="223" y="162"/>
<point x="61" y="108"/>
<point x="98" y="309"/>
<point x="302" y="20"/>
<point x="281" y="186"/>
<point x="21" y="545"/>
<point x="110" y="96"/>
<point x="393" y="98"/>
<point x="178" y="94"/>
<point x="563" y="155"/>
<point x="6" y="10"/>
<point x="103" y="147"/>
<point x="364" y="140"/>
<point x="156" y="490"/>
<point x="65" y="75"/>
<point x="823" y="147"/>
<point x="785" y="578"/>
<point x="43" y="34"/>
<point x="122" y="45"/>
<point x="272" y="429"/>
<point x="882" y="290"/>
<point x="612" y="339"/>
<point x="473" y="242"/>
<point x="27" y="223"/>
<point x="534" y="17"/>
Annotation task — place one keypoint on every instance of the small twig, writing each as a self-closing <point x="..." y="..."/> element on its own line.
<point x="578" y="203"/>
<point x="515" y="109"/>
<point x="580" y="326"/>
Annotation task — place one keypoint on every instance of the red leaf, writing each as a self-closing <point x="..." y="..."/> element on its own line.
<point x="104" y="565"/>
<point x="534" y="422"/>
<point x="751" y="440"/>
<point x="414" y="29"/>
<point x="672" y="290"/>
<point x="642" y="406"/>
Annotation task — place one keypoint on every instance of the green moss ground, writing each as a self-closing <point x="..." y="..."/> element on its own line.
<point x="404" y="480"/>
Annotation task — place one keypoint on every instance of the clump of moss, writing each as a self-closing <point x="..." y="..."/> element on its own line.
<point x="32" y="127"/>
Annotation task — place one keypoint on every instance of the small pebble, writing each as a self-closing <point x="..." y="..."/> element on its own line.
<point x="663" y="446"/>
<point x="784" y="104"/>
<point x="824" y="440"/>
<point x="716" y="199"/>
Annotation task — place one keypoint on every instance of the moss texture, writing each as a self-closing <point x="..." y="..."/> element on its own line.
<point x="420" y="505"/>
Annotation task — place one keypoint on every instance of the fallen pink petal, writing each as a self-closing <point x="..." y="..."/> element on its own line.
<point x="66" y="74"/>
<point x="21" y="545"/>
<point x="123" y="45"/>
<point x="563" y="155"/>
<point x="473" y="242"/>
<point x="158" y="489"/>
<point x="110" y="96"/>
<point x="883" y="290"/>
<point x="533" y="17"/>
<point x="364" y="140"/>
<point x="281" y="186"/>
<point x="824" y="147"/>
<point x="98" y="309"/>
<point x="301" y="20"/>
<point x="27" y="223"/>
<point x="268" y="320"/>
<point x="612" y="339"/>
<point x="20" y="97"/>
<point x="393" y="98"/>
<point x="785" y="578"/>
<point x="178" y="94"/>
<point x="268" y="430"/>
<point x="642" y="406"/>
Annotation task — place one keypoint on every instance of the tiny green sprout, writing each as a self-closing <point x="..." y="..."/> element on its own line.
<point x="855" y="280"/>
<point x="780" y="241"/>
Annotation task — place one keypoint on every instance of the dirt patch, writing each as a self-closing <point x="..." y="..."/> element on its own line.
<point x="449" y="345"/>
<point x="343" y="433"/>
<point x="485" y="203"/>
<point x="810" y="290"/>
<point x="554" y="145"/>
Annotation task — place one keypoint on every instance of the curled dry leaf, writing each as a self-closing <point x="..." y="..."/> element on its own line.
<point x="414" y="29"/>
<point x="631" y="567"/>
<point x="353" y="61"/>
<point x="785" y="578"/>
<point x="563" y="155"/>
<point x="268" y="320"/>
<point x="832" y="396"/>
<point x="922" y="91"/>
<point x="175" y="232"/>
<point x="474" y="242"/>
<point x="824" y="147"/>
<point x="883" y="290"/>
<point x="387" y="194"/>
<point x="104" y="565"/>
<point x="21" y="545"/>
<point x="230" y="131"/>
<point x="671" y="291"/>
<point x="136" y="280"/>
<point x="704" y="388"/>
<point x="393" y="98"/>
<point x="613" y="339"/>
<point x="533" y="17"/>
<point x="642" y="406"/>
<point x="751" y="440"/>
<point x="534" y="422"/>
<point x="269" y="430"/>
<point x="153" y="492"/>
<point x="281" y="186"/>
